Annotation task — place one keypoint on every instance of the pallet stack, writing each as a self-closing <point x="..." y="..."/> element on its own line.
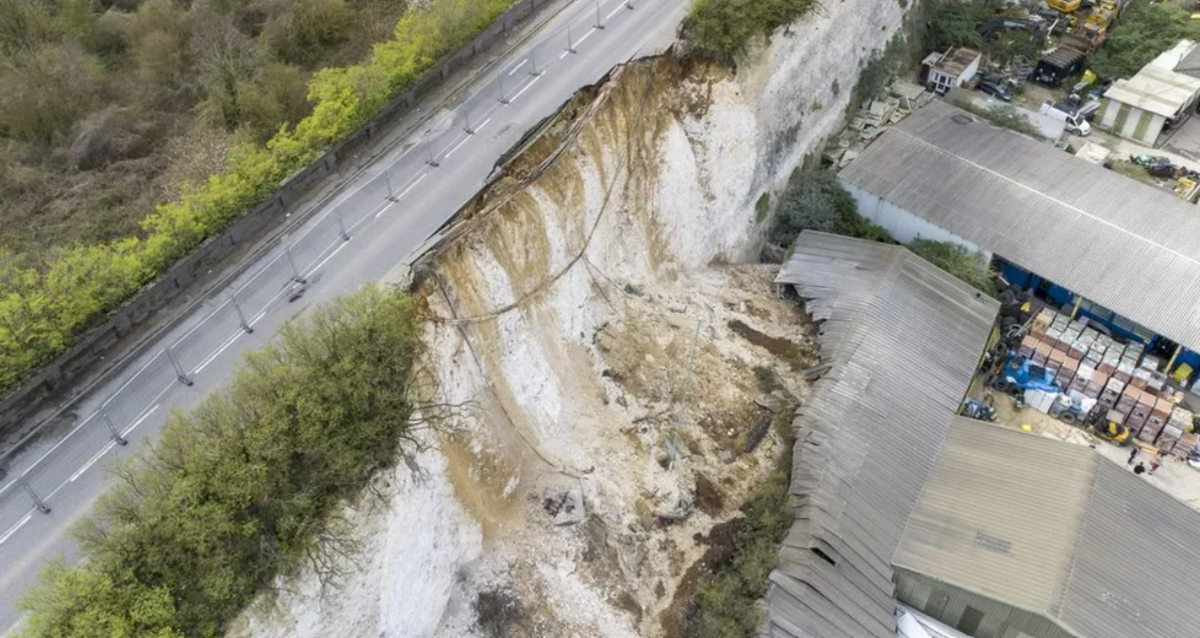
<point x="1121" y="377"/>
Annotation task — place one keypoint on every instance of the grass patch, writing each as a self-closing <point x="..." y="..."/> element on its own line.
<point x="957" y="261"/>
<point x="727" y="27"/>
<point x="1134" y="171"/>
<point x="244" y="488"/>
<point x="762" y="207"/>
<point x="726" y="605"/>
<point x="1004" y="115"/>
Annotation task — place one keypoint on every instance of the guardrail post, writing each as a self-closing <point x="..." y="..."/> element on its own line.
<point x="533" y="70"/>
<point x="292" y="262"/>
<point x="116" y="436"/>
<point x="42" y="507"/>
<point x="599" y="20"/>
<point x="570" y="42"/>
<point x="467" y="128"/>
<point x="500" y="82"/>
<point x="431" y="161"/>
<point x="179" y="373"/>
<point x="241" y="316"/>
<point x="342" y="226"/>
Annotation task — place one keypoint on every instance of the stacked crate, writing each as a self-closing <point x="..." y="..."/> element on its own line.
<point x="1159" y="415"/>
<point x="1179" y="424"/>
<point x="1111" y="394"/>
<point x="1183" y="448"/>
<point x="1127" y="400"/>
<point x="1140" y="413"/>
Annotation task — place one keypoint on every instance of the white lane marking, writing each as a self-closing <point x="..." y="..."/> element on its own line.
<point x="397" y="198"/>
<point x="518" y="67"/>
<point x="145" y="415"/>
<point x="92" y="461"/>
<point x="483" y="124"/>
<point x="323" y="261"/>
<point x="130" y="380"/>
<point x="586" y="36"/>
<point x="13" y="530"/>
<point x="224" y="346"/>
<point x="265" y="267"/>
<point x="200" y="323"/>
<point x="615" y="11"/>
<point x="526" y="88"/>
<point x="63" y="440"/>
<point x="456" y="146"/>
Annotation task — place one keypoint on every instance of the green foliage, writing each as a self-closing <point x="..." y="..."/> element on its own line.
<point x="814" y="200"/>
<point x="956" y="23"/>
<point x="45" y="91"/>
<point x="957" y="261"/>
<point x="1005" y="115"/>
<point x="879" y="71"/>
<point x="762" y="207"/>
<point x="304" y="32"/>
<point x="726" y="27"/>
<point x="1144" y="30"/>
<point x="727" y="604"/>
<point x="45" y="306"/>
<point x="241" y="489"/>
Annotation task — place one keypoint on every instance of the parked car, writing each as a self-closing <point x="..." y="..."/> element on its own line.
<point x="995" y="89"/>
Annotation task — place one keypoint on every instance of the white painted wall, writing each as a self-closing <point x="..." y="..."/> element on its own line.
<point x="1107" y="117"/>
<point x="902" y="225"/>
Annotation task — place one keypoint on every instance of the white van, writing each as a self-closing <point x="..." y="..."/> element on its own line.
<point x="1075" y="121"/>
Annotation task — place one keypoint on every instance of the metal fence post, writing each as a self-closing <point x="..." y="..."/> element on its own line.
<point x="500" y="82"/>
<point x="599" y="20"/>
<point x="467" y="128"/>
<point x="295" y="272"/>
<point x="241" y="316"/>
<point x="116" y="436"/>
<point x="42" y="507"/>
<point x="179" y="373"/>
<point x="533" y="70"/>
<point x="570" y="43"/>
<point x="342" y="226"/>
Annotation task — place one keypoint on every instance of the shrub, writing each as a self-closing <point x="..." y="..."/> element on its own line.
<point x="726" y="605"/>
<point x="45" y="90"/>
<point x="726" y="27"/>
<point x="957" y="261"/>
<point x="241" y="490"/>
<point x="814" y="200"/>
<point x="307" y="29"/>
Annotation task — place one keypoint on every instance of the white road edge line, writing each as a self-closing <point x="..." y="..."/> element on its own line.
<point x="586" y="36"/>
<point x="144" y="416"/>
<point x="457" y="146"/>
<point x="323" y="261"/>
<point x="61" y="441"/>
<point x="526" y="88"/>
<point x="518" y="67"/>
<point x="200" y="323"/>
<point x="224" y="346"/>
<point x="130" y="380"/>
<point x="385" y="208"/>
<point x="92" y="461"/>
<point x="13" y="530"/>
<point x="615" y="11"/>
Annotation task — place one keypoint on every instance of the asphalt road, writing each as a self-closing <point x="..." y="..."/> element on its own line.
<point x="387" y="213"/>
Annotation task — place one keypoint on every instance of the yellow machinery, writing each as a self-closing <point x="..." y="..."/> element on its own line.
<point x="1065" y="6"/>
<point x="1112" y="431"/>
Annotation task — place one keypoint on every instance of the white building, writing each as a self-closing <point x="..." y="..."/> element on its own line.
<point x="1161" y="96"/>
<point x="952" y="69"/>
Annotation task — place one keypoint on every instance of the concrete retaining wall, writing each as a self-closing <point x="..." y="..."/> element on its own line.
<point x="54" y="384"/>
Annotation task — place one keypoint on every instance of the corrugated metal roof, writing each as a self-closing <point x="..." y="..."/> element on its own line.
<point x="904" y="339"/>
<point x="1158" y="90"/>
<point x="1125" y="245"/>
<point x="1137" y="565"/>
<point x="1000" y="515"/>
<point x="1058" y="530"/>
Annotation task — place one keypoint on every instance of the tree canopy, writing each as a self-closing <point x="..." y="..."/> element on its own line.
<point x="1143" y="31"/>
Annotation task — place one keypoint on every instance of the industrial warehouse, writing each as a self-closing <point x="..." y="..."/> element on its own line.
<point x="902" y="507"/>
<point x="1124" y="255"/>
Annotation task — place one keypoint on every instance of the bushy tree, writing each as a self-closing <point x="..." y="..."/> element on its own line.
<point x="44" y="91"/>
<point x="956" y="23"/>
<point x="241" y="489"/>
<point x="814" y="200"/>
<point x="1144" y="30"/>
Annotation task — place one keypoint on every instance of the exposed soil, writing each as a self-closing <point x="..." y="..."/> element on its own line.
<point x="721" y="544"/>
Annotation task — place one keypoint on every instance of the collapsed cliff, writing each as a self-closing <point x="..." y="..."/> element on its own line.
<point x="619" y="360"/>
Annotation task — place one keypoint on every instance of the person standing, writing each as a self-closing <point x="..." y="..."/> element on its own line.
<point x="1134" y="454"/>
<point x="1154" y="463"/>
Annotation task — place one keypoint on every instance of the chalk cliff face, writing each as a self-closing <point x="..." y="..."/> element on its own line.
<point x="585" y="310"/>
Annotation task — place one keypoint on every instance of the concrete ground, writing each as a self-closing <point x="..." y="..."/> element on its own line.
<point x="1175" y="477"/>
<point x="1185" y="142"/>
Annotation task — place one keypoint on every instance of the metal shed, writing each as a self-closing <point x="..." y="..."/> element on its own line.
<point x="903" y="339"/>
<point x="1131" y="248"/>
<point x="1018" y="536"/>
